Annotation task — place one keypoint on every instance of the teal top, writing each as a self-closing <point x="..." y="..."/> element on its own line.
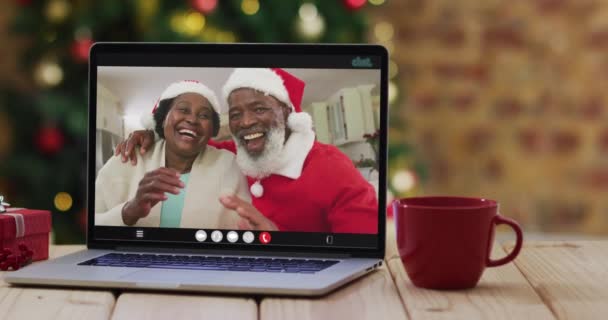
<point x="171" y="210"/>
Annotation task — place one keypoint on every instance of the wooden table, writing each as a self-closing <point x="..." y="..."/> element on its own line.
<point x="549" y="280"/>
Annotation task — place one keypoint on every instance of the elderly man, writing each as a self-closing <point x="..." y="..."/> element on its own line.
<point x="296" y="183"/>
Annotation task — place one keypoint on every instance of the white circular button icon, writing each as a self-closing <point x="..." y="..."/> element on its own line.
<point x="248" y="237"/>
<point x="217" y="236"/>
<point x="200" y="235"/>
<point x="232" y="236"/>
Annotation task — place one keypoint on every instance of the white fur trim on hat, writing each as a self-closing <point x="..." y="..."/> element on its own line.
<point x="186" y="86"/>
<point x="261" y="79"/>
<point x="181" y="87"/>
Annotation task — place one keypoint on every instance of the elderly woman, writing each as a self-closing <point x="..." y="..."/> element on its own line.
<point x="178" y="183"/>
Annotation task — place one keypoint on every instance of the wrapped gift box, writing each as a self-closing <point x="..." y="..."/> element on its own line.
<point x="31" y="227"/>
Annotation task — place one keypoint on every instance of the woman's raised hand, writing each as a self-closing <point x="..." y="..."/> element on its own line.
<point x="151" y="190"/>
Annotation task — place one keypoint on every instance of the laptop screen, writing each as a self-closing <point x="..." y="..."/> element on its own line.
<point x="269" y="149"/>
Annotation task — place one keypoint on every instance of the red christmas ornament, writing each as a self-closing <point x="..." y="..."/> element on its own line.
<point x="354" y="4"/>
<point x="80" y="50"/>
<point x="49" y="140"/>
<point x="204" y="6"/>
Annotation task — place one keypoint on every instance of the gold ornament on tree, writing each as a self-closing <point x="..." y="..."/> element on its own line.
<point x="188" y="23"/>
<point x="250" y="7"/>
<point x="393" y="92"/>
<point x="310" y="24"/>
<point x="384" y="32"/>
<point x="57" y="10"/>
<point x="403" y="180"/>
<point x="48" y="74"/>
<point x="376" y="2"/>
<point x="63" y="201"/>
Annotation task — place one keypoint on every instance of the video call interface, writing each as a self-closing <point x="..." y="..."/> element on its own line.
<point x="238" y="156"/>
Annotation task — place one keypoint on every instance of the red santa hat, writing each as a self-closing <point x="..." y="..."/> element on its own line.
<point x="278" y="83"/>
<point x="174" y="90"/>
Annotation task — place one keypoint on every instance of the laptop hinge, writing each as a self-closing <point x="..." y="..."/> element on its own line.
<point x="235" y="253"/>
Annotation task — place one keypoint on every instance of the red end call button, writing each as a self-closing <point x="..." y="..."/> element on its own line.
<point x="265" y="237"/>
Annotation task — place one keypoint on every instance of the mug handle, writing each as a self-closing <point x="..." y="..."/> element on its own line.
<point x="498" y="219"/>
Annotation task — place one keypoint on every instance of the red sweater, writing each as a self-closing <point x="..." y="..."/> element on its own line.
<point x="329" y="196"/>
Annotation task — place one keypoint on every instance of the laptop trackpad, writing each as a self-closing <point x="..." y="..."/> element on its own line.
<point x="154" y="278"/>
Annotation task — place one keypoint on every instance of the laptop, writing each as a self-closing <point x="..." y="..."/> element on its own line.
<point x="326" y="231"/>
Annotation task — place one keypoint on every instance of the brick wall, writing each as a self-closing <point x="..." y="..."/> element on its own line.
<point x="508" y="100"/>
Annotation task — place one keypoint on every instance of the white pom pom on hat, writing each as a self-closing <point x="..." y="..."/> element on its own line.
<point x="278" y="83"/>
<point x="147" y="119"/>
<point x="174" y="90"/>
<point x="256" y="189"/>
<point x="299" y="121"/>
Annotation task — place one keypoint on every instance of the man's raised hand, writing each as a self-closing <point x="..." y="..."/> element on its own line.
<point x="251" y="218"/>
<point x="144" y="139"/>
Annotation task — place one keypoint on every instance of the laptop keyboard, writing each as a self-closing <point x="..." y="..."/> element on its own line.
<point x="215" y="263"/>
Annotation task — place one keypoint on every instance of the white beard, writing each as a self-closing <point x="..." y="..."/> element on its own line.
<point x="269" y="161"/>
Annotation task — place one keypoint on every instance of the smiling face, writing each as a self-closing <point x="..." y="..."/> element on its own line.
<point x="188" y="125"/>
<point x="252" y="116"/>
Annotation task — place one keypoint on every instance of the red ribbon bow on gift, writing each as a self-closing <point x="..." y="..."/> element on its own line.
<point x="14" y="261"/>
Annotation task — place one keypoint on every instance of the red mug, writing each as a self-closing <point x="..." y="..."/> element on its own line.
<point x="446" y="242"/>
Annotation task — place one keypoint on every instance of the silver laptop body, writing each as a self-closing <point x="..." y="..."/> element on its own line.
<point x="348" y="260"/>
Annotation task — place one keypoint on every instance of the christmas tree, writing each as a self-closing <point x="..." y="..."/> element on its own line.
<point x="43" y="144"/>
